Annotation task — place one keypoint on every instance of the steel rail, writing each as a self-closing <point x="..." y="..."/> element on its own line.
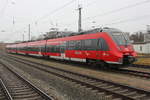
<point x="135" y="73"/>
<point x="8" y="96"/>
<point x="141" y="66"/>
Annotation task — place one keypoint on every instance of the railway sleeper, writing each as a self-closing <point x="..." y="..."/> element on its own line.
<point x="95" y="91"/>
<point x="117" y="99"/>
<point x="115" y="89"/>
<point x="106" y="95"/>
<point x="23" y="93"/>
<point x="109" y="97"/>
<point x="19" y="88"/>
<point x="96" y="83"/>
<point x="123" y="91"/>
<point x="102" y="95"/>
<point x="102" y="85"/>
<point x="35" y="98"/>
<point x="108" y="87"/>
<point x="130" y="93"/>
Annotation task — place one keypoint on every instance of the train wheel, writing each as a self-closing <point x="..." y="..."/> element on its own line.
<point x="111" y="66"/>
<point x="103" y="65"/>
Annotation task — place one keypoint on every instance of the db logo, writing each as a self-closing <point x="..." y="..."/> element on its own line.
<point x="77" y="52"/>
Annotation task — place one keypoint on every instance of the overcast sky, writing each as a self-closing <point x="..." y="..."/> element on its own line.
<point x="127" y="15"/>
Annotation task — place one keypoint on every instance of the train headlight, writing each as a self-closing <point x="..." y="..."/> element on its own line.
<point x="119" y="48"/>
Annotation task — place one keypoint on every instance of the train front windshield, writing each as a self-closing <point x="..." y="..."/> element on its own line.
<point x="121" y="38"/>
<point x="118" y="36"/>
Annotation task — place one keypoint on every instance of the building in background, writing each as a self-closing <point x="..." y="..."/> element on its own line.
<point x="141" y="41"/>
<point x="143" y="48"/>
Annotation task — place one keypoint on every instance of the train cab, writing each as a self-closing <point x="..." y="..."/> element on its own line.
<point x="123" y="46"/>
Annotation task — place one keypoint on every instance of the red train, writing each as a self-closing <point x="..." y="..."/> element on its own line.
<point x="99" y="46"/>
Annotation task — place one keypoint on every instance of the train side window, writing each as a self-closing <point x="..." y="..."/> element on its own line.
<point x="103" y="45"/>
<point x="52" y="49"/>
<point x="57" y="48"/>
<point x="71" y="45"/>
<point x="78" y="45"/>
<point x="94" y="44"/>
<point x="63" y="47"/>
<point x="48" y="48"/>
<point x="90" y="44"/>
<point x="87" y="44"/>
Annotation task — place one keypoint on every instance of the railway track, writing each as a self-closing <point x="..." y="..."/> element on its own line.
<point x="18" y="88"/>
<point x="4" y="94"/>
<point x="141" y="66"/>
<point x="139" y="74"/>
<point x="107" y="89"/>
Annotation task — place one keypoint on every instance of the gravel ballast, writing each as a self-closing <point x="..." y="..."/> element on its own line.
<point x="57" y="87"/>
<point x="115" y="77"/>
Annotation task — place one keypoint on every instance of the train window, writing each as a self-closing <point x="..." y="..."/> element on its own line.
<point x="90" y="44"/>
<point x="57" y="48"/>
<point x="34" y="48"/>
<point x="94" y="44"/>
<point x="63" y="47"/>
<point x="53" y="48"/>
<point x="48" y="48"/>
<point x="71" y="45"/>
<point x="103" y="45"/>
<point x="78" y="45"/>
<point x="42" y="48"/>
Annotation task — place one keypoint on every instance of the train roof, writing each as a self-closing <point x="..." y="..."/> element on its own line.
<point x="68" y="35"/>
<point x="105" y="29"/>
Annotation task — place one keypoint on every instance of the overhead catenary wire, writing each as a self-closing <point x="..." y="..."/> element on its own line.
<point x="48" y="14"/>
<point x="55" y="10"/>
<point x="127" y="20"/>
<point x="112" y="11"/>
<point x="119" y="9"/>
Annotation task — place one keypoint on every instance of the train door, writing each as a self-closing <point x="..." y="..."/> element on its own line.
<point x="99" y="53"/>
<point x="102" y="49"/>
<point x="105" y="49"/>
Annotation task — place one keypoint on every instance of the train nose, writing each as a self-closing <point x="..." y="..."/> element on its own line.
<point x="126" y="50"/>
